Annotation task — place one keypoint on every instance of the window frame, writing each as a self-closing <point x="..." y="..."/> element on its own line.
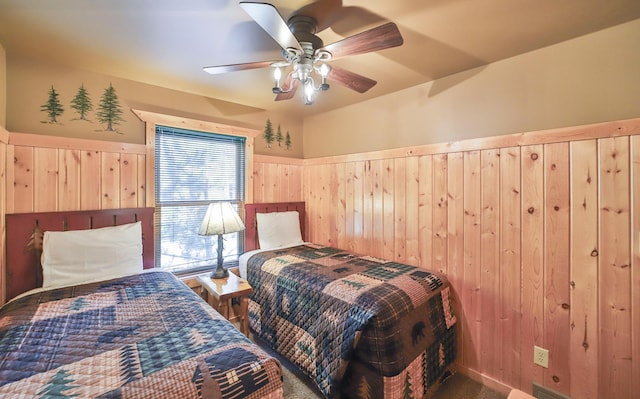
<point x="152" y="119"/>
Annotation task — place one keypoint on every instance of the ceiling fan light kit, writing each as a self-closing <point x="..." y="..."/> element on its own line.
<point x="306" y="54"/>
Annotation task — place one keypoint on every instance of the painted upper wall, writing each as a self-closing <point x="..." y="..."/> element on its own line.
<point x="29" y="84"/>
<point x="3" y="87"/>
<point x="590" y="79"/>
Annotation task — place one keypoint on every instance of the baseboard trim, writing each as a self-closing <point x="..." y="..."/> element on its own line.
<point x="485" y="380"/>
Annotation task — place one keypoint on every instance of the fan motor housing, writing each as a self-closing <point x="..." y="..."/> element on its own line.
<point x="304" y="28"/>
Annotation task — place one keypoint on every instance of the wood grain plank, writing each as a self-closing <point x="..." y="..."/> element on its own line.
<point x="400" y="209"/>
<point x="90" y="180"/>
<point x="490" y="279"/>
<point x="532" y="303"/>
<point x="635" y="268"/>
<point x="340" y="206"/>
<point x="412" y="207"/>
<point x="45" y="179"/>
<point x="367" y="208"/>
<point x="110" y="182"/>
<point x="142" y="188"/>
<point x="377" y="247"/>
<point x="388" y="209"/>
<point x="358" y="193"/>
<point x="349" y="206"/>
<point x="470" y="294"/>
<point x="425" y="214"/>
<point x="556" y="281"/>
<point x="128" y="180"/>
<point x="615" y="271"/>
<point x="440" y="197"/>
<point x="69" y="180"/>
<point x="584" y="270"/>
<point x="23" y="180"/>
<point x="510" y="264"/>
<point x="334" y="203"/>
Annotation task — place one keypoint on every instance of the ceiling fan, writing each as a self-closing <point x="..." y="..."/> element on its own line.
<point x="308" y="55"/>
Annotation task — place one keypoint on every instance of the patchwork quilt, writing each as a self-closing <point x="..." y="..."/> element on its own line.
<point x="142" y="336"/>
<point x="352" y="323"/>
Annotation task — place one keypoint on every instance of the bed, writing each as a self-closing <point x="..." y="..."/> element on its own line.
<point x="358" y="326"/>
<point x="123" y="329"/>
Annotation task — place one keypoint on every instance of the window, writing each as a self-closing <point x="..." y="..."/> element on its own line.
<point x="193" y="169"/>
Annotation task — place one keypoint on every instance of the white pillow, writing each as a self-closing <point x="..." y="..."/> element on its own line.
<point x="278" y="229"/>
<point x="80" y="256"/>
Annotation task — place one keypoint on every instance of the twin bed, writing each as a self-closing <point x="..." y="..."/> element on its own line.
<point x="358" y="326"/>
<point x="125" y="331"/>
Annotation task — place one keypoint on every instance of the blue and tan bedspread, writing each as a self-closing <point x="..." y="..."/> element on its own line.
<point x="143" y="336"/>
<point x="324" y="309"/>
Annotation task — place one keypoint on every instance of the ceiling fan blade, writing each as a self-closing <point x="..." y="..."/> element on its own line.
<point x="214" y="70"/>
<point x="289" y="94"/>
<point x="267" y="16"/>
<point x="351" y="80"/>
<point x="380" y="38"/>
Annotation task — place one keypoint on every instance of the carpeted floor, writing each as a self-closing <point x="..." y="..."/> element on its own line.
<point x="298" y="386"/>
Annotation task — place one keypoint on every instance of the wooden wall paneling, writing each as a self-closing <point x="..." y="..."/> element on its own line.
<point x="367" y="208"/>
<point x="455" y="230"/>
<point x="470" y="320"/>
<point x="556" y="274"/>
<point x="377" y="244"/>
<point x="22" y="191"/>
<point x="350" y="172"/>
<point x="326" y="212"/>
<point x="412" y="206"/>
<point x="316" y="204"/>
<point x="45" y="168"/>
<point x="333" y="223"/>
<point x="532" y="285"/>
<point x="269" y="182"/>
<point x="142" y="188"/>
<point x="510" y="264"/>
<point x="340" y="205"/>
<point x="439" y="249"/>
<point x="388" y="221"/>
<point x="635" y="263"/>
<point x="306" y="188"/>
<point x="258" y="182"/>
<point x="110" y="182"/>
<point x="615" y="271"/>
<point x="358" y="193"/>
<point x="91" y="180"/>
<point x="425" y="214"/>
<point x="400" y="209"/>
<point x="128" y="180"/>
<point x="69" y="180"/>
<point x="490" y="259"/>
<point x="583" y="350"/>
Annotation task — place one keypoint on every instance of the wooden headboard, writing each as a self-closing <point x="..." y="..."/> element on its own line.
<point x="251" y="233"/>
<point x="23" y="265"/>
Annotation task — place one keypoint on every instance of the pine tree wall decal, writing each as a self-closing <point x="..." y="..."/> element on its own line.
<point x="268" y="133"/>
<point x="287" y="141"/>
<point x="53" y="107"/>
<point x="109" y="111"/>
<point x="81" y="103"/>
<point x="279" y="137"/>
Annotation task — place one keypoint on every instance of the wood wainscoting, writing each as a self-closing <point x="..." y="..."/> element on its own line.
<point x="538" y="233"/>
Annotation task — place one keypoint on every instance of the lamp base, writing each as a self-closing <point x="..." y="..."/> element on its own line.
<point x="220" y="272"/>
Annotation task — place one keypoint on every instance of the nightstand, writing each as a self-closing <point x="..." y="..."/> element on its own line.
<point x="222" y="290"/>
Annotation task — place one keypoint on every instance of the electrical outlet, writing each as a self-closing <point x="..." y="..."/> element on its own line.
<point x="541" y="356"/>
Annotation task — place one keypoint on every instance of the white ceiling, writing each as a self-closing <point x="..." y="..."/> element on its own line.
<point x="167" y="42"/>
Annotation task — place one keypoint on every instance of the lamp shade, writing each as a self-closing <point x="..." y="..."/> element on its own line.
<point x="220" y="219"/>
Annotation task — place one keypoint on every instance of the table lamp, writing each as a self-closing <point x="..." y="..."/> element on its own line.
<point x="220" y="219"/>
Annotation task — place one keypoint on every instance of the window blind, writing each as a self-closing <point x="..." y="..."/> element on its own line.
<point x="193" y="169"/>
